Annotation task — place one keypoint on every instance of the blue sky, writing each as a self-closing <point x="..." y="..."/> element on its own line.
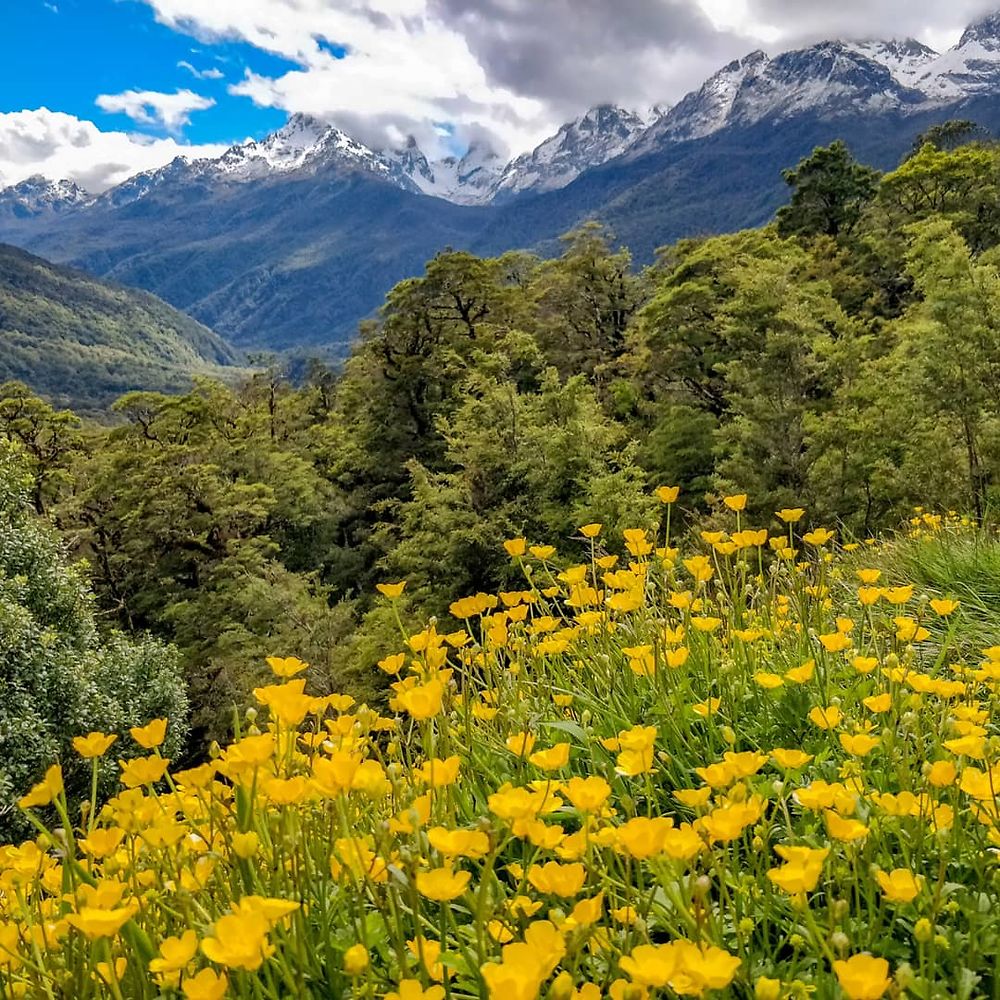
<point x="84" y="48"/>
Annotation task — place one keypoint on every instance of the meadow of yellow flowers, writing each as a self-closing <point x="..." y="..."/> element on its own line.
<point x="753" y="768"/>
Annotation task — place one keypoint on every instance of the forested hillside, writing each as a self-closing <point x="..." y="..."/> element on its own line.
<point x="845" y="359"/>
<point x="83" y="342"/>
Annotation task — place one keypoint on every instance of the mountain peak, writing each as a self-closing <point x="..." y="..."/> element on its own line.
<point x="985" y="31"/>
<point x="37" y="195"/>
<point x="602" y="133"/>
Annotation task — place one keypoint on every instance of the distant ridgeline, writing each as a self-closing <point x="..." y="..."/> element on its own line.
<point x="83" y="342"/>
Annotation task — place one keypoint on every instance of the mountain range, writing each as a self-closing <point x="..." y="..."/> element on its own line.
<point x="291" y="240"/>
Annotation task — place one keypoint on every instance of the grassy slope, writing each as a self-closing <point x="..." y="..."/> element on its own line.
<point x="83" y="342"/>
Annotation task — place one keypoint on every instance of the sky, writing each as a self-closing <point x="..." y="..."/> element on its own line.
<point x="96" y="90"/>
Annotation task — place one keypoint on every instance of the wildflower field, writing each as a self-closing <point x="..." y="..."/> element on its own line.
<point x="752" y="765"/>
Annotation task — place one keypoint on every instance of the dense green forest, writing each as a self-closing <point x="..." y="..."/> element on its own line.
<point x="845" y="359"/>
<point x="83" y="342"/>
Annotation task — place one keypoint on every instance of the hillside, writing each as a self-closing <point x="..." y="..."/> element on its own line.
<point x="84" y="342"/>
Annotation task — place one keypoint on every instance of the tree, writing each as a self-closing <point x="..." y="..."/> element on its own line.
<point x="950" y="342"/>
<point x="830" y="191"/>
<point x="950" y="135"/>
<point x="59" y="676"/>
<point x="49" y="439"/>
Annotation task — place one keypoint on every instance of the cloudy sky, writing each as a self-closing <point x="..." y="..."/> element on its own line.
<point x="95" y="90"/>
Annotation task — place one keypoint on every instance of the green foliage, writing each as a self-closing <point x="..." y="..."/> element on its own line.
<point x="830" y="190"/>
<point x="58" y="674"/>
<point x="83" y="342"/>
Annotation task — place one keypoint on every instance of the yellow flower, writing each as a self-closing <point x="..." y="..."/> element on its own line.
<point x="142" y="770"/>
<point x="45" y="791"/>
<point x="552" y="759"/>
<point x="423" y="701"/>
<point x="587" y="794"/>
<point x="442" y="884"/>
<point x="459" y="843"/>
<point x="864" y="664"/>
<point x="869" y="577"/>
<point x="768" y="681"/>
<point x="556" y="879"/>
<point x="835" y="642"/>
<point x="900" y="885"/>
<point x="942" y="773"/>
<point x="286" y="666"/>
<point x="801" y="870"/>
<point x="863" y="977"/>
<point x="97" y="923"/>
<point x="802" y="674"/>
<point x="944" y="607"/>
<point x="973" y="746"/>
<point x="736" y="502"/>
<point x="93" y="744"/>
<point x="245" y="844"/>
<point x="391" y="590"/>
<point x="206" y="985"/>
<point x="239" y="941"/>
<point x="412" y="989"/>
<point x="791" y="760"/>
<point x="520" y="744"/>
<point x="101" y="843"/>
<point x="878" y="703"/>
<point x="516" y="547"/>
<point x="790" y="515"/>
<point x="175" y="953"/>
<point x="667" y="494"/>
<point x="840" y="828"/>
<point x="818" y="537"/>
<point x="355" y="960"/>
<point x="859" y="745"/>
<point x="825" y="718"/>
<point x="767" y="989"/>
<point x="151" y="735"/>
<point x="591" y="530"/>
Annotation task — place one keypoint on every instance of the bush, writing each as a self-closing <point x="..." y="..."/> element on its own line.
<point x="58" y="675"/>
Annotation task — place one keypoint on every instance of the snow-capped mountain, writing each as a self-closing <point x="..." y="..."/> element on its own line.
<point x="465" y="180"/>
<point x="972" y="67"/>
<point x="907" y="59"/>
<point x="37" y="195"/>
<point x="600" y="135"/>
<point x="827" y="80"/>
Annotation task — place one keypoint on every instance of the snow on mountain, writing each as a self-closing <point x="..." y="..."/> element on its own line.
<point x="600" y="135"/>
<point x="906" y="59"/>
<point x="827" y="79"/>
<point x="971" y="67"/>
<point x="37" y="195"/>
<point x="465" y="180"/>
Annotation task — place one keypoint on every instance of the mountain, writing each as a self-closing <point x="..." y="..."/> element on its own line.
<point x="464" y="180"/>
<point x="37" y="196"/>
<point x="83" y="342"/>
<point x="598" y="136"/>
<point x="294" y="239"/>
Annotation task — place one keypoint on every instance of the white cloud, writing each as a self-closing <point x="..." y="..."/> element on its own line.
<point x="150" y="107"/>
<point x="58" y="145"/>
<point x="517" y="68"/>
<point x="201" y="74"/>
